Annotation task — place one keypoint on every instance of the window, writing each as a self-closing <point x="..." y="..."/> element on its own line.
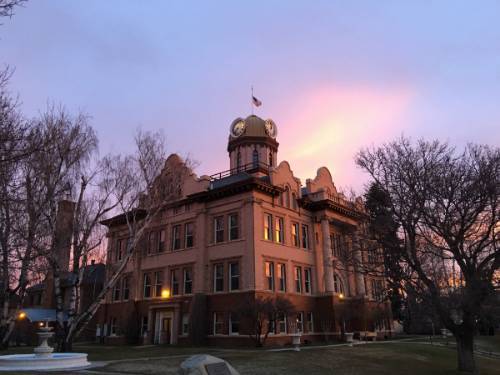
<point x="219" y="229"/>
<point x="147" y="285"/>
<point x="144" y="325"/>
<point x="234" y="324"/>
<point x="338" y="285"/>
<point x="125" y="288"/>
<point x="185" y="324"/>
<point x="300" y="322"/>
<point x="287" y="196"/>
<point x="151" y="242"/>
<point x="333" y="244"/>
<point x="113" y="326"/>
<point x="176" y="237"/>
<point x="281" y="277"/>
<point x="307" y="280"/>
<point x="279" y="230"/>
<point x="294" y="201"/>
<point x="268" y="225"/>
<point x="255" y="158"/>
<point x="372" y="256"/>
<point x="188" y="281"/>
<point x="158" y="283"/>
<point x="269" y="269"/>
<point x="305" y="236"/>
<point x="174" y="282"/>
<point x="218" y="278"/>
<point x="271" y="325"/>
<point x="298" y="279"/>
<point x="188" y="235"/>
<point x="234" y="276"/>
<point x="377" y="290"/>
<point x="295" y="235"/>
<point x="271" y="159"/>
<point x="218" y="323"/>
<point x="282" y="323"/>
<point x="238" y="161"/>
<point x="233" y="227"/>
<point x="116" y="291"/>
<point x="310" y="322"/>
<point x="119" y="250"/>
<point x="281" y="199"/>
<point x="161" y="241"/>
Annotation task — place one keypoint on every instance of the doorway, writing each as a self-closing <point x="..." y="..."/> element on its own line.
<point x="163" y="327"/>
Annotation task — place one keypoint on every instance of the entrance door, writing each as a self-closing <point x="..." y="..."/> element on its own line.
<point x="163" y="327"/>
<point x="166" y="331"/>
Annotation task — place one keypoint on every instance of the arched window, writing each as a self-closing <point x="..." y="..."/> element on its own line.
<point x="294" y="201"/>
<point x="238" y="161"/>
<point x="271" y="159"/>
<point x="287" y="196"/>
<point x="338" y="285"/>
<point x="255" y="158"/>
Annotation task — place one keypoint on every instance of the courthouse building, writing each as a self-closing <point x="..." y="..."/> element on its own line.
<point x="251" y="232"/>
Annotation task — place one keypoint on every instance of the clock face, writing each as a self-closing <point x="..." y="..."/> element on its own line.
<point x="271" y="129"/>
<point x="237" y="128"/>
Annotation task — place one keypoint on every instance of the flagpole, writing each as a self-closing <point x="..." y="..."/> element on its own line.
<point x="251" y="101"/>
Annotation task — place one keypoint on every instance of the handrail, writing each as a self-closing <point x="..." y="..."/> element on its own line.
<point x="243" y="168"/>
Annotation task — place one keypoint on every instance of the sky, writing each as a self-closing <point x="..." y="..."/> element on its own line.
<point x="335" y="76"/>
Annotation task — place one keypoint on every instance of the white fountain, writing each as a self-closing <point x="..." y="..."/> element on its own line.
<point x="43" y="358"/>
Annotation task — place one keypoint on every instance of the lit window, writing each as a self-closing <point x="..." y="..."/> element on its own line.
<point x="176" y="237"/>
<point x="295" y="235"/>
<point x="219" y="229"/>
<point x="268" y="227"/>
<point x="298" y="279"/>
<point x="189" y="235"/>
<point x="188" y="281"/>
<point x="219" y="277"/>
<point x="269" y="266"/>
<point x="278" y="230"/>
<point x="282" y="277"/>
<point x="234" y="276"/>
<point x="233" y="227"/>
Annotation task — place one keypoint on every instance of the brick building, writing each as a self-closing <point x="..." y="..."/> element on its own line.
<point x="253" y="231"/>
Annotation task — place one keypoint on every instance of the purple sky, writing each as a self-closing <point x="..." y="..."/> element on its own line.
<point x="334" y="76"/>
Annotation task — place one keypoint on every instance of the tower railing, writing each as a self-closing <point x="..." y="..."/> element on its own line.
<point x="250" y="167"/>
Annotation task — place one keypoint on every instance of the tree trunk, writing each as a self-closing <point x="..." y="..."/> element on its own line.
<point x="465" y="353"/>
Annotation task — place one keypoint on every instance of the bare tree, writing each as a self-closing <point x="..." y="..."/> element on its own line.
<point x="7" y="7"/>
<point x="446" y="207"/>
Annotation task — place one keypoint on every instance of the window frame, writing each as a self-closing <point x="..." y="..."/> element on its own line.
<point x="188" y="235"/>
<point x="219" y="229"/>
<point x="298" y="279"/>
<point x="307" y="280"/>
<point x="234" y="276"/>
<point x="279" y="227"/>
<point x="185" y="281"/>
<point x="217" y="277"/>
<point x="269" y="275"/>
<point x="176" y="237"/>
<point x="232" y="227"/>
<point x="281" y="280"/>
<point x="268" y="227"/>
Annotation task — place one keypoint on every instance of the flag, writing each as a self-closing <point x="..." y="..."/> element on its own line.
<point x="256" y="102"/>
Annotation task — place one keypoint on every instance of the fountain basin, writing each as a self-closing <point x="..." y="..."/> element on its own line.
<point x="56" y="361"/>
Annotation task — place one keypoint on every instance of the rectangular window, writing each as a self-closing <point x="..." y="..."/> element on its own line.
<point x="307" y="280"/>
<point x="269" y="269"/>
<point x="147" y="285"/>
<point x="295" y="235"/>
<point x="300" y="322"/>
<point x="298" y="279"/>
<point x="113" y="326"/>
<point x="234" y="276"/>
<point x="282" y="323"/>
<point x="218" y="277"/>
<point x="282" y="277"/>
<point x="268" y="227"/>
<point x="188" y="235"/>
<point x="116" y="291"/>
<point x="119" y="250"/>
<point x="305" y="236"/>
<point x="158" y="283"/>
<point x="161" y="241"/>
<point x="218" y="323"/>
<point x="278" y="230"/>
<point x="233" y="227"/>
<point x="188" y="281"/>
<point x="310" y="322"/>
<point x="151" y="242"/>
<point x="219" y="229"/>
<point x="144" y="325"/>
<point x="185" y="324"/>
<point x="126" y="288"/>
<point x="176" y="237"/>
<point x="234" y="324"/>
<point x="174" y="282"/>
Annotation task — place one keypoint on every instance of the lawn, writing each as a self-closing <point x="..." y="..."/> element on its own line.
<point x="371" y="359"/>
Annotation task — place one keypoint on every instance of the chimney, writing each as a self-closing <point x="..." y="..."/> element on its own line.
<point x="64" y="230"/>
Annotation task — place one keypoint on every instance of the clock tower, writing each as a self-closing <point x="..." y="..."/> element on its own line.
<point x="252" y="144"/>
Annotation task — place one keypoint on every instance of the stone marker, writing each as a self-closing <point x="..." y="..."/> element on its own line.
<point x="204" y="364"/>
